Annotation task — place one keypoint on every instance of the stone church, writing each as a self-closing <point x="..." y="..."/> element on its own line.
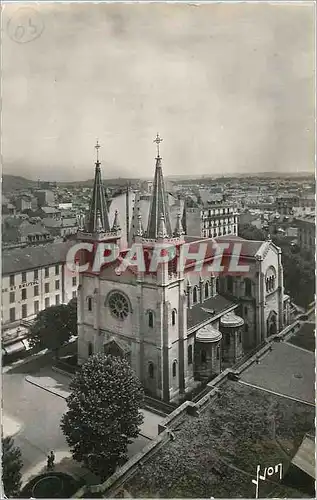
<point x="176" y="326"/>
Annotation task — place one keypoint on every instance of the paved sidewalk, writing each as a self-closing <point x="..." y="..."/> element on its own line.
<point x="10" y="426"/>
<point x="63" y="463"/>
<point x="58" y="384"/>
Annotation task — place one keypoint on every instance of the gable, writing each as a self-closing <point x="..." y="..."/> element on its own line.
<point x="109" y="273"/>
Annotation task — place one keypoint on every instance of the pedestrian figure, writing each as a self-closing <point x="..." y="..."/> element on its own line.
<point x="49" y="462"/>
<point x="52" y="459"/>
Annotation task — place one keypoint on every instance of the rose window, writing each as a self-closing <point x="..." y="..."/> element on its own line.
<point x="119" y="306"/>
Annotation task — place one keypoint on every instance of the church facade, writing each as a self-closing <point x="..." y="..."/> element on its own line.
<point x="180" y="324"/>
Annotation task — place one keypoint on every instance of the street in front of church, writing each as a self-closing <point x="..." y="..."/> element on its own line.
<point x="34" y="402"/>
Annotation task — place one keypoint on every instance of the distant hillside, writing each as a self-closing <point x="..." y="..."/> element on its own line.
<point x="14" y="182"/>
<point x="250" y="175"/>
<point x="107" y="182"/>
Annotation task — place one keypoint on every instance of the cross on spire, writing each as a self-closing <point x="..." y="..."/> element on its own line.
<point x="97" y="147"/>
<point x="158" y="140"/>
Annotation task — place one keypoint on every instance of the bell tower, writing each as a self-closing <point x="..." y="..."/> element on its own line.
<point x="162" y="293"/>
<point x="95" y="230"/>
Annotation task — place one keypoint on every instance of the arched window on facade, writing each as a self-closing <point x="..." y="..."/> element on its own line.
<point x="227" y="339"/>
<point x="174" y="367"/>
<point x="207" y="290"/>
<point x="218" y="351"/>
<point x="151" y="319"/>
<point x="90" y="349"/>
<point x="190" y="354"/>
<point x="248" y="287"/>
<point x="270" y="279"/>
<point x="246" y="327"/>
<point x="89" y="302"/>
<point x="230" y="284"/>
<point x="203" y="356"/>
<point x="173" y="317"/>
<point x="240" y="337"/>
<point x="151" y="370"/>
<point x="195" y="295"/>
<point x="245" y="311"/>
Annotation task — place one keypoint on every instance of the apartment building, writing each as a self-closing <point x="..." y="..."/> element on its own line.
<point x="214" y="219"/>
<point x="306" y="233"/>
<point x="33" y="279"/>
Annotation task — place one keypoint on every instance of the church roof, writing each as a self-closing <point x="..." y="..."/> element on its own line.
<point x="231" y="320"/>
<point x="208" y="333"/>
<point x="249" y="247"/>
<point x="199" y="313"/>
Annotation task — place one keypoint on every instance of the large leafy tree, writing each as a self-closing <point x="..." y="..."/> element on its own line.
<point x="103" y="413"/>
<point x="11" y="467"/>
<point x="54" y="326"/>
<point x="250" y="232"/>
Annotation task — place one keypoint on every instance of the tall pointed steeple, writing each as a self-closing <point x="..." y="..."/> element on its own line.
<point x="159" y="203"/>
<point x="98" y="218"/>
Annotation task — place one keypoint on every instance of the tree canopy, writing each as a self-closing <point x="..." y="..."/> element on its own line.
<point x="54" y="326"/>
<point x="11" y="467"/>
<point x="103" y="413"/>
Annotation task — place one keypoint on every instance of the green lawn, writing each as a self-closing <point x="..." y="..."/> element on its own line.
<point x="216" y="454"/>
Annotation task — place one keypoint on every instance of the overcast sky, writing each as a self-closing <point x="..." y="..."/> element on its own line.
<point x="229" y="87"/>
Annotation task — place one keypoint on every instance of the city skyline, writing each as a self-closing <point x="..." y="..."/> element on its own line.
<point x="229" y="87"/>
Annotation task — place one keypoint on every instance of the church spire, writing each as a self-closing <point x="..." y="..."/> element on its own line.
<point x="98" y="219"/>
<point x="159" y="203"/>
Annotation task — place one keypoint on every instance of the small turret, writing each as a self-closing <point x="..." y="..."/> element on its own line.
<point x="179" y="231"/>
<point x="162" y="232"/>
<point x="116" y="224"/>
<point x="139" y="229"/>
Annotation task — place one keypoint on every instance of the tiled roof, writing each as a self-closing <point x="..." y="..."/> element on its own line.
<point x="66" y="222"/>
<point x="27" y="229"/>
<point x="249" y="247"/>
<point x="33" y="257"/>
<point x="50" y="210"/>
<point x="286" y="370"/>
<point x="197" y="315"/>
